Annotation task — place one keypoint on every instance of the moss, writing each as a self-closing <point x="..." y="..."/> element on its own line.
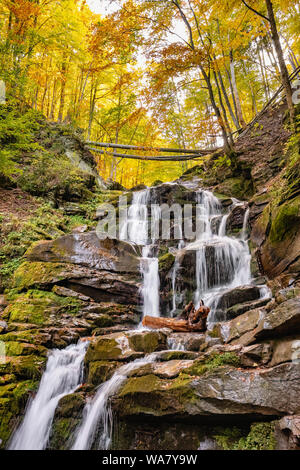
<point x="286" y="220"/>
<point x="100" y="371"/>
<point x="202" y="366"/>
<point x="228" y="438"/>
<point x="37" y="274"/>
<point x="61" y="431"/>
<point x="103" y="321"/>
<point x="14" y="348"/>
<point x="13" y="399"/>
<point x="236" y="187"/>
<point x="147" y="342"/>
<point x="105" y="349"/>
<point x="166" y="262"/>
<point x="70" y="405"/>
<point x="35" y="307"/>
<point x="145" y="384"/>
<point x="260" y="437"/>
<point x="24" y="367"/>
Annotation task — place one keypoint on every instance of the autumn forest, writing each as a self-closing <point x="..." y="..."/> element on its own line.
<point x="183" y="74"/>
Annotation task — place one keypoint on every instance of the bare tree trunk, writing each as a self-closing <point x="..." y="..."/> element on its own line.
<point x="283" y="69"/>
<point x="52" y="110"/>
<point x="233" y="117"/>
<point x="62" y="89"/>
<point x="229" y="130"/>
<point x="236" y="94"/>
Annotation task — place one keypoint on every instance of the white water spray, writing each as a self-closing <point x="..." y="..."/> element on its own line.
<point x="62" y="376"/>
<point x="97" y="424"/>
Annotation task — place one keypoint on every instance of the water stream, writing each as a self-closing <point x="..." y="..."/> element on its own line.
<point x="96" y="427"/>
<point x="62" y="376"/>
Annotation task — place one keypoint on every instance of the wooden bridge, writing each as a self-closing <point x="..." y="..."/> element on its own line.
<point x="183" y="154"/>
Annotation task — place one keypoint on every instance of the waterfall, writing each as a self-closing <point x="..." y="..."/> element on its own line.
<point x="222" y="262"/>
<point x="136" y="229"/>
<point x="62" y="376"/>
<point x="97" y="424"/>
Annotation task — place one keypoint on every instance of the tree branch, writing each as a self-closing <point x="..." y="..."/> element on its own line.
<point x="256" y="12"/>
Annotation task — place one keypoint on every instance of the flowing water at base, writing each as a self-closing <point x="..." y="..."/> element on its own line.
<point x="62" y="376"/>
<point x="96" y="427"/>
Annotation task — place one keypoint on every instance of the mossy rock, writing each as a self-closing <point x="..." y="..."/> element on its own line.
<point x="212" y="362"/>
<point x="166" y="262"/>
<point x="13" y="399"/>
<point x="239" y="188"/>
<point x="14" y="348"/>
<point x="37" y="307"/>
<point x="70" y="405"/>
<point x="37" y="274"/>
<point x="151" y="395"/>
<point x="106" y="348"/>
<point x="156" y="183"/>
<point x="100" y="371"/>
<point x="23" y="367"/>
<point x="260" y="437"/>
<point x="285" y="221"/>
<point x="147" y="341"/>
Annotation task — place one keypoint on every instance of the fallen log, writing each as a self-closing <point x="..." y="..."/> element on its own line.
<point x="175" y="325"/>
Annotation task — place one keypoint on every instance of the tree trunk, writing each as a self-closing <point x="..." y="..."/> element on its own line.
<point x="235" y="121"/>
<point x="224" y="111"/>
<point x="283" y="69"/>
<point x="236" y="94"/>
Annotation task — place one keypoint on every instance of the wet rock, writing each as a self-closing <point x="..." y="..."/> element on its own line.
<point x="236" y="218"/>
<point x="222" y="391"/>
<point x="285" y="350"/>
<point x="178" y="355"/>
<point x="64" y="292"/>
<point x="165" y="370"/>
<point x="3" y="326"/>
<point x="239" y="309"/>
<point x="165" y="263"/>
<point x="283" y="320"/>
<point x="100" y="371"/>
<point x="276" y="234"/>
<point x="186" y="341"/>
<point x="237" y="187"/>
<point x="259" y="324"/>
<point x="66" y="419"/>
<point x="147" y="341"/>
<point x="238" y="295"/>
<point x="237" y="329"/>
<point x="86" y="249"/>
<point x="101" y="286"/>
<point x="257" y="354"/>
<point x="287" y="432"/>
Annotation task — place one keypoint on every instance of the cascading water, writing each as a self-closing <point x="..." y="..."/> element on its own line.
<point x="136" y="229"/>
<point x="97" y="424"/>
<point x="62" y="376"/>
<point x="222" y="262"/>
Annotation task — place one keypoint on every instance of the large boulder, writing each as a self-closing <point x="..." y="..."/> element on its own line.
<point x="258" y="324"/>
<point x="218" y="392"/>
<point x="104" y="270"/>
<point x="276" y="235"/>
<point x="86" y="249"/>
